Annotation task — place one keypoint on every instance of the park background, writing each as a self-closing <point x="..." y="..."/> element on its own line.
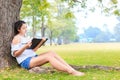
<point x="67" y="21"/>
<point x="83" y="32"/>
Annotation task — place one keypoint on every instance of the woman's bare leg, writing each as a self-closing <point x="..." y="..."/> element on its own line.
<point x="48" y="57"/>
<point x="60" y="59"/>
<point x="64" y="63"/>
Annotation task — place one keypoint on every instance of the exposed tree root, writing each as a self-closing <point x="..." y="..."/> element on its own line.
<point x="52" y="70"/>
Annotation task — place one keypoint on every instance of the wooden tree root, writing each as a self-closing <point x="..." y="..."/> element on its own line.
<point x="42" y="69"/>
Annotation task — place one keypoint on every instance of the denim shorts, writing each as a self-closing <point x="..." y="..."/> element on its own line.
<point x="26" y="63"/>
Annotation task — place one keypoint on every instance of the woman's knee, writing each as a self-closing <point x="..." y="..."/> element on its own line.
<point x="51" y="53"/>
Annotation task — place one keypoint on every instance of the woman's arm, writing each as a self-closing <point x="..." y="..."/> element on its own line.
<point x="21" y="50"/>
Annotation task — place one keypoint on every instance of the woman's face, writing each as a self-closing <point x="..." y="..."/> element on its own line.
<point x="23" y="29"/>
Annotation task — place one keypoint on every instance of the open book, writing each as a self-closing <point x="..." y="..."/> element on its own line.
<point x="35" y="42"/>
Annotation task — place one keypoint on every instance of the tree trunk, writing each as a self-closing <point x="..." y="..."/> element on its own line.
<point x="51" y="35"/>
<point x="43" y="28"/>
<point x="9" y="13"/>
<point x="33" y="27"/>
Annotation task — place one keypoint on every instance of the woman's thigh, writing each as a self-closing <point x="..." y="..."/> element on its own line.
<point x="39" y="60"/>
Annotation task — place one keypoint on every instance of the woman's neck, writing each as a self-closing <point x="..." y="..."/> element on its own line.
<point x="22" y="35"/>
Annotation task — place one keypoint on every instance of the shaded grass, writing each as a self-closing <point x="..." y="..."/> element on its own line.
<point x="78" y="54"/>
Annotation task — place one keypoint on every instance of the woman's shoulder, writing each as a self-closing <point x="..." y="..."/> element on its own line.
<point x="16" y="40"/>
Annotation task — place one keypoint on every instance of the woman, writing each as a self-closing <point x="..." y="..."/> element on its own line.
<point x="27" y="58"/>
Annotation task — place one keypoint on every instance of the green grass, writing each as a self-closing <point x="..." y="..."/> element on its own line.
<point x="21" y="74"/>
<point x="107" y="54"/>
<point x="88" y="54"/>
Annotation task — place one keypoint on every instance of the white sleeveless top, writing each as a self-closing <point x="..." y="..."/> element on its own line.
<point x="27" y="53"/>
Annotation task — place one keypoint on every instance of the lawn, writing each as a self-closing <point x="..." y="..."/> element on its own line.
<point x="106" y="54"/>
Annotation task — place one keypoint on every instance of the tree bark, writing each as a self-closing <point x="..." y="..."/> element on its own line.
<point x="51" y="35"/>
<point x="33" y="26"/>
<point x="9" y="13"/>
<point x="43" y="28"/>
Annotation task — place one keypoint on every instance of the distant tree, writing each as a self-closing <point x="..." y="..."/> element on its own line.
<point x="60" y="22"/>
<point x="92" y="32"/>
<point x="54" y="29"/>
<point x="103" y="37"/>
<point x="37" y="11"/>
<point x="69" y="33"/>
<point x="30" y="12"/>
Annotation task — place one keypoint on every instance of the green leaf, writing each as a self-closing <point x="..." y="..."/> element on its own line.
<point x="114" y="1"/>
<point x="117" y="12"/>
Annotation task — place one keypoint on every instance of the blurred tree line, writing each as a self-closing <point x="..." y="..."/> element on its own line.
<point x="95" y="34"/>
<point x="55" y="19"/>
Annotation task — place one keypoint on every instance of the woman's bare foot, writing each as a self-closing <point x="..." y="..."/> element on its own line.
<point x="77" y="73"/>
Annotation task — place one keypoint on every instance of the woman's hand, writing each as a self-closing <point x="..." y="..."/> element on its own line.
<point x="28" y="44"/>
<point x="43" y="39"/>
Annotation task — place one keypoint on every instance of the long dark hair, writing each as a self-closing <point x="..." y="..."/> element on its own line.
<point x="17" y="26"/>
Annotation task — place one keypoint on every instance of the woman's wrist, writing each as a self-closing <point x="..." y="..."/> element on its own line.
<point x="26" y="46"/>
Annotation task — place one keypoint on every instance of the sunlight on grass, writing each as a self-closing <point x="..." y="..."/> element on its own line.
<point x="88" y="54"/>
